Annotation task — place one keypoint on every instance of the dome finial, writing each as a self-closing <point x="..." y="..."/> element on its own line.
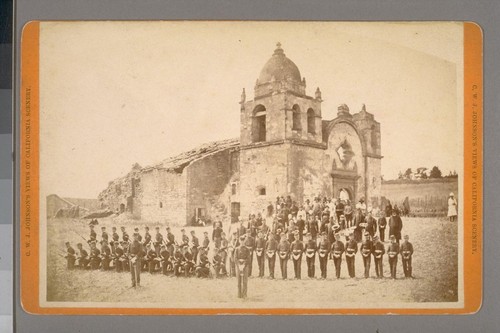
<point x="278" y="49"/>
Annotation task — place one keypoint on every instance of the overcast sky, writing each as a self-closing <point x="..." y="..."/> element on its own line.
<point x="116" y="93"/>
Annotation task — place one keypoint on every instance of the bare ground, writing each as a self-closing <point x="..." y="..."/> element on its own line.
<point x="435" y="267"/>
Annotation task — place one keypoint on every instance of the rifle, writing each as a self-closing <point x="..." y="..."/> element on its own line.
<point x="86" y="241"/>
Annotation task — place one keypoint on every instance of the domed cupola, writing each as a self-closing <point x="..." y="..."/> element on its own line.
<point x="279" y="74"/>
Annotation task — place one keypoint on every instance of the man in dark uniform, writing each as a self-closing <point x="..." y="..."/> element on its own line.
<point x="366" y="250"/>
<point x="83" y="258"/>
<point x="188" y="262"/>
<point x="392" y="252"/>
<point x="242" y="256"/>
<point x="152" y="258"/>
<point x="301" y="225"/>
<point x="136" y="253"/>
<point x="395" y="226"/>
<point x="260" y="245"/>
<point x="178" y="261"/>
<point x="147" y="237"/>
<point x="104" y="234"/>
<point x="312" y="227"/>
<point x="105" y="255"/>
<point x="323" y="250"/>
<point x="223" y="254"/>
<point x="310" y="250"/>
<point x="271" y="248"/>
<point x="250" y="244"/>
<point x="126" y="257"/>
<point x="125" y="236"/>
<point x="203" y="268"/>
<point x="336" y="253"/>
<point x="382" y="224"/>
<point x="93" y="235"/>
<point x="136" y="232"/>
<point x="118" y="257"/>
<point x="296" y="250"/>
<point x="378" y="253"/>
<point x="70" y="256"/>
<point x="359" y="222"/>
<point x="205" y="245"/>
<point x="406" y="250"/>
<point x="195" y="245"/>
<point x="166" y="265"/>
<point x="184" y="238"/>
<point x="158" y="241"/>
<point x="114" y="235"/>
<point x="283" y="252"/>
<point x="371" y="224"/>
<point x="233" y="244"/>
<point x="95" y="259"/>
<point x="351" y="248"/>
<point x="388" y="209"/>
<point x="170" y="242"/>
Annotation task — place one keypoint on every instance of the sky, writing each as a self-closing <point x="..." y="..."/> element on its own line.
<point x="116" y="93"/>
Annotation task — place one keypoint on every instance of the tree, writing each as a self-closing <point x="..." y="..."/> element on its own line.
<point x="435" y="172"/>
<point x="408" y="173"/>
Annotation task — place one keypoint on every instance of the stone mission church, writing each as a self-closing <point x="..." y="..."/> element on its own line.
<point x="285" y="148"/>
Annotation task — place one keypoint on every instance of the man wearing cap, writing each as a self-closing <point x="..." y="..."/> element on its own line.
<point x="104" y="234"/>
<point x="336" y="254"/>
<point x="105" y="255"/>
<point x="184" y="238"/>
<point x="95" y="259"/>
<point x="271" y="248"/>
<point x="93" y="234"/>
<point x="283" y="253"/>
<point x="260" y="245"/>
<point x="203" y="268"/>
<point x="392" y="252"/>
<point x="351" y="248"/>
<point x="114" y="235"/>
<point x="125" y="235"/>
<point x="366" y="250"/>
<point x="118" y="257"/>
<point x="83" y="258"/>
<point x="136" y="232"/>
<point x="242" y="256"/>
<point x="189" y="264"/>
<point x="166" y="264"/>
<point x="151" y="260"/>
<point x="250" y="244"/>
<point x="223" y="254"/>
<point x="170" y="241"/>
<point x="147" y="236"/>
<point x="371" y="224"/>
<point x="296" y="250"/>
<point x="158" y="241"/>
<point x="312" y="227"/>
<point x="70" y="256"/>
<point x="205" y="244"/>
<point x="382" y="224"/>
<point x="217" y="234"/>
<point x="178" y="260"/>
<point x="135" y="253"/>
<point x="324" y="247"/>
<point x="395" y="225"/>
<point x="378" y="253"/>
<point x="406" y="250"/>
<point x="310" y="250"/>
<point x="195" y="244"/>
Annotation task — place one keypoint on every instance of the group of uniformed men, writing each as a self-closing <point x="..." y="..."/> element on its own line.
<point x="283" y="239"/>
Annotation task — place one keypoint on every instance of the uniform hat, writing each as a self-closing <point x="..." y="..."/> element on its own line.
<point x="136" y="229"/>
<point x="392" y="237"/>
<point x="451" y="194"/>
<point x="103" y="228"/>
<point x="67" y="243"/>
<point x="183" y="230"/>
<point x="79" y="244"/>
<point x="406" y="237"/>
<point x="168" y="228"/>
<point x="146" y="227"/>
<point x="242" y="237"/>
<point x="157" y="228"/>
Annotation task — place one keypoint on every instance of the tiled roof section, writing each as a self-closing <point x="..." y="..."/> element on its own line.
<point x="179" y="162"/>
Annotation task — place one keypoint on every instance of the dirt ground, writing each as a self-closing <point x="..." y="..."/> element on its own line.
<point x="435" y="267"/>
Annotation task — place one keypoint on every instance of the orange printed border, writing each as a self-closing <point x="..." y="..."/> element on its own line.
<point x="29" y="195"/>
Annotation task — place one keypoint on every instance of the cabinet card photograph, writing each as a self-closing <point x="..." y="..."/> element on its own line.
<point x="248" y="167"/>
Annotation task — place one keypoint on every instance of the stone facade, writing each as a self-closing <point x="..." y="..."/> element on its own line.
<point x="285" y="148"/>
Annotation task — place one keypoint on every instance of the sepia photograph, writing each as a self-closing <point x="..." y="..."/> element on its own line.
<point x="251" y="165"/>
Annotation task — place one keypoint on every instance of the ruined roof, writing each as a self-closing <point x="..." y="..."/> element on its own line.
<point x="179" y="162"/>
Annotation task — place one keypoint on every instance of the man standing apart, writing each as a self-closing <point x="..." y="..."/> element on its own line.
<point x="406" y="250"/>
<point x="135" y="253"/>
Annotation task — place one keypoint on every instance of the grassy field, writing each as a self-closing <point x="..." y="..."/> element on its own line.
<point x="435" y="267"/>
